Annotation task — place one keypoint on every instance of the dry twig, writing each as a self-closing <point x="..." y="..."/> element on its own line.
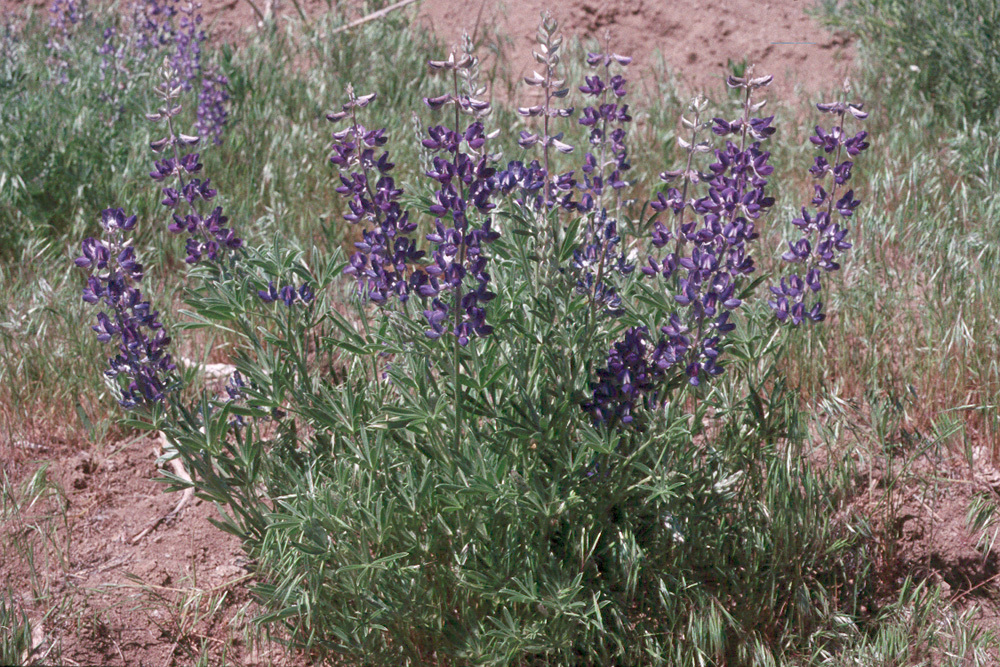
<point x="373" y="16"/>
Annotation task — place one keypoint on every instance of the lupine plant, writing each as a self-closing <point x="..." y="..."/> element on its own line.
<point x="828" y="237"/>
<point x="150" y="27"/>
<point x="142" y="368"/>
<point x="502" y="444"/>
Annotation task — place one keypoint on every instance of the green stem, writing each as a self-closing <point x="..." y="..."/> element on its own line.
<point x="456" y="348"/>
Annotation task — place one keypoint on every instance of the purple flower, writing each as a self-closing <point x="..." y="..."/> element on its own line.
<point x="708" y="263"/>
<point x="829" y="238"/>
<point x="212" y="101"/>
<point x="208" y="235"/>
<point x="607" y="163"/>
<point x="458" y="251"/>
<point x="630" y="380"/>
<point x="384" y="263"/>
<point x="287" y="294"/>
<point x="142" y="362"/>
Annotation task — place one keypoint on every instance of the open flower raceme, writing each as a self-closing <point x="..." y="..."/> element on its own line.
<point x="467" y="182"/>
<point x="142" y="367"/>
<point x="710" y="254"/>
<point x="186" y="196"/>
<point x="383" y="261"/>
<point x="823" y="235"/>
<point x="605" y="165"/>
<point x="387" y="261"/>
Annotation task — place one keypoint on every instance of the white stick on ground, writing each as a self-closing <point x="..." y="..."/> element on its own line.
<point x="372" y="17"/>
<point x="186" y="497"/>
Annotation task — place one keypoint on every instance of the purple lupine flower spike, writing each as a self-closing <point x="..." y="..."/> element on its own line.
<point x="188" y="197"/>
<point x="384" y="262"/>
<point x="142" y="357"/>
<point x="704" y="281"/>
<point x="466" y="183"/>
<point x="823" y="239"/>
<point x="607" y="162"/>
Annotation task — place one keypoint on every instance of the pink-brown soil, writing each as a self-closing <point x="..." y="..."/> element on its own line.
<point x="178" y="593"/>
<point x="697" y="38"/>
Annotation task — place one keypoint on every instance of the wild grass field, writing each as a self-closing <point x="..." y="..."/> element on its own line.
<point x="368" y="494"/>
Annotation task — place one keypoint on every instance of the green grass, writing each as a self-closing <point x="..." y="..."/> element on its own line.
<point x="938" y="52"/>
<point x="15" y="633"/>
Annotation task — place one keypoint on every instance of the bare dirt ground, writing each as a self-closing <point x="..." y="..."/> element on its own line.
<point x="697" y="38"/>
<point x="95" y="596"/>
<point x="179" y="594"/>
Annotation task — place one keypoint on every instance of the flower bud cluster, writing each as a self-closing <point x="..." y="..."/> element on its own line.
<point x="188" y="40"/>
<point x="383" y="262"/>
<point x="823" y="240"/>
<point x="207" y="234"/>
<point x="677" y="199"/>
<point x="142" y="360"/>
<point x="287" y="293"/>
<point x="469" y="95"/>
<point x="110" y="51"/>
<point x="552" y="88"/>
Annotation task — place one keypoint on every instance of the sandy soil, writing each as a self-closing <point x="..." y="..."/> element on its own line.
<point x="94" y="595"/>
